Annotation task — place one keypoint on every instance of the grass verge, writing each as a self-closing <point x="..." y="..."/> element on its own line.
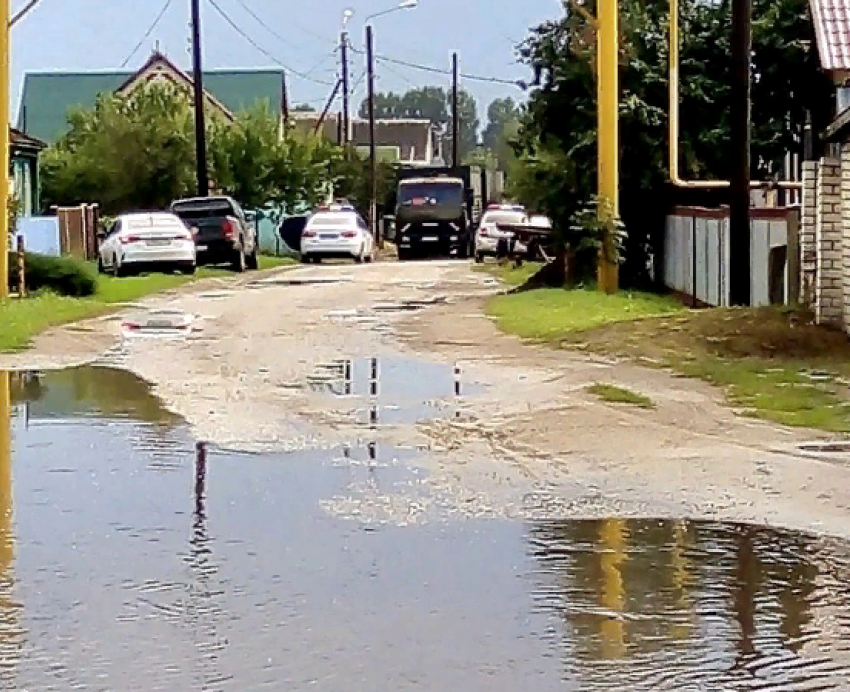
<point x="772" y="363"/>
<point x="21" y="320"/>
<point x="508" y="273"/>
<point x="619" y="395"/>
<point x="549" y="313"/>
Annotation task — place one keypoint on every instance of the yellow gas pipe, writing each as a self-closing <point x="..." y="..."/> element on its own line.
<point x="674" y="121"/>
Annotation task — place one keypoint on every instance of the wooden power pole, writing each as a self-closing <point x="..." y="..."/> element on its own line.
<point x="455" y="114"/>
<point x="200" y="125"/>
<point x="739" y="192"/>
<point x="373" y="164"/>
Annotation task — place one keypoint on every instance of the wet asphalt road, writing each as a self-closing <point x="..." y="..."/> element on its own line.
<point x="130" y="564"/>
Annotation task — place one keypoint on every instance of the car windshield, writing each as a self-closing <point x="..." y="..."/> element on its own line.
<point x="202" y="209"/>
<point x="504" y="218"/>
<point x="448" y="194"/>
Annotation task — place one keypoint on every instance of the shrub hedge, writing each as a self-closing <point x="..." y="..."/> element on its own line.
<point x="67" y="276"/>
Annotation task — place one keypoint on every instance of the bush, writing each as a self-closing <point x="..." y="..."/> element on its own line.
<point x="66" y="276"/>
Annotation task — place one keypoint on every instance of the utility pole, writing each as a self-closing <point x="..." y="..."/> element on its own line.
<point x="5" y="76"/>
<point x="284" y="99"/>
<point x="373" y="164"/>
<point x="455" y="114"/>
<point x="343" y="53"/>
<point x="608" y="156"/>
<point x="200" y="126"/>
<point x="739" y="200"/>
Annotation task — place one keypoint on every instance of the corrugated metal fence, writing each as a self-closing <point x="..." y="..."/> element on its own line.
<point x="696" y="254"/>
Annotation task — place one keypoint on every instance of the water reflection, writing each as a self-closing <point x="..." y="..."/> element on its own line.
<point x="11" y="634"/>
<point x="669" y="605"/>
<point x="86" y="391"/>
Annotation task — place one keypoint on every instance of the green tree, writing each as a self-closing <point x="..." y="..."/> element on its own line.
<point x="434" y="104"/>
<point x="500" y="114"/>
<point x="560" y="120"/>
<point x="138" y="152"/>
<point x="133" y="152"/>
<point x="258" y="164"/>
<point x="351" y="178"/>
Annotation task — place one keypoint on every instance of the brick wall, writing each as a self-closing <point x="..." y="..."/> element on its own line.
<point x="829" y="285"/>
<point x="845" y="232"/>
<point x="808" y="251"/>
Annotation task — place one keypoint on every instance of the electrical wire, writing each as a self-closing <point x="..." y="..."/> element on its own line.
<point x="150" y="30"/>
<point x="436" y="70"/>
<point x="274" y="33"/>
<point x="270" y="56"/>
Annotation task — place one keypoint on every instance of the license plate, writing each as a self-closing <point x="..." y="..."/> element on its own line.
<point x="159" y="242"/>
<point x="159" y="324"/>
<point x="430" y="239"/>
<point x="418" y="202"/>
<point x="328" y="236"/>
<point x="201" y="248"/>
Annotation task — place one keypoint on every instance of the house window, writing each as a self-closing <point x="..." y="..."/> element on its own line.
<point x="842" y="99"/>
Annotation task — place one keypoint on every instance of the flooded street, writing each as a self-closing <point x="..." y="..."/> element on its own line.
<point x="345" y="479"/>
<point x="134" y="559"/>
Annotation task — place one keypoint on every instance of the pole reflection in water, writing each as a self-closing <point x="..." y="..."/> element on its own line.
<point x="11" y="634"/>
<point x="672" y="605"/>
<point x="203" y="612"/>
<point x="613" y="628"/>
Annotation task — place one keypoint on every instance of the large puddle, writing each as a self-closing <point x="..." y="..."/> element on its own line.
<point x="132" y="560"/>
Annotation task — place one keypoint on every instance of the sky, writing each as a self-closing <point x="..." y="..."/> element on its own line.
<point x="79" y="35"/>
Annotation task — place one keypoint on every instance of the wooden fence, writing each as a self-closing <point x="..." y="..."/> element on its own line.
<point x="78" y="230"/>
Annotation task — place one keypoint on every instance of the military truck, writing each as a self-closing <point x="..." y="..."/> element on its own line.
<point x="438" y="208"/>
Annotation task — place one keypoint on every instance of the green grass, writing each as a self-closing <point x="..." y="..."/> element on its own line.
<point x="508" y="273"/>
<point x="771" y="363"/>
<point x="21" y="320"/>
<point x="550" y="313"/>
<point x="619" y="395"/>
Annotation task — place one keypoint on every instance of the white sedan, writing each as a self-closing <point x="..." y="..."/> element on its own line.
<point x="337" y="234"/>
<point x="147" y="241"/>
<point x="488" y="235"/>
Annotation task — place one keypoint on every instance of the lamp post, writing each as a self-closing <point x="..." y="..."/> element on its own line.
<point x="370" y="70"/>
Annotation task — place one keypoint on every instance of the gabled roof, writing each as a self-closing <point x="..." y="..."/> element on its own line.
<point x="46" y="97"/>
<point x="23" y="141"/>
<point x="832" y="28"/>
<point x="160" y="68"/>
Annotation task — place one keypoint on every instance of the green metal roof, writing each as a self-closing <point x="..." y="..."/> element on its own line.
<point x="47" y="96"/>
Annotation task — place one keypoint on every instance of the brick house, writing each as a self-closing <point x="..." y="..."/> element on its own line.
<point x="825" y="228"/>
<point x="411" y="140"/>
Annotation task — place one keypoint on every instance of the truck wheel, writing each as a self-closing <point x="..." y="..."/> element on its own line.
<point x="305" y="259"/>
<point x="239" y="260"/>
<point x="479" y="257"/>
<point x="403" y="255"/>
<point x="253" y="260"/>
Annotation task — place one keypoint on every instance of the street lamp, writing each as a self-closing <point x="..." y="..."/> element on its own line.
<point x="370" y="69"/>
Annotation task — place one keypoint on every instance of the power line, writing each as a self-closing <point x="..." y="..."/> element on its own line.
<point x="437" y="70"/>
<point x="270" y="56"/>
<point x="147" y="33"/>
<point x="274" y="33"/>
